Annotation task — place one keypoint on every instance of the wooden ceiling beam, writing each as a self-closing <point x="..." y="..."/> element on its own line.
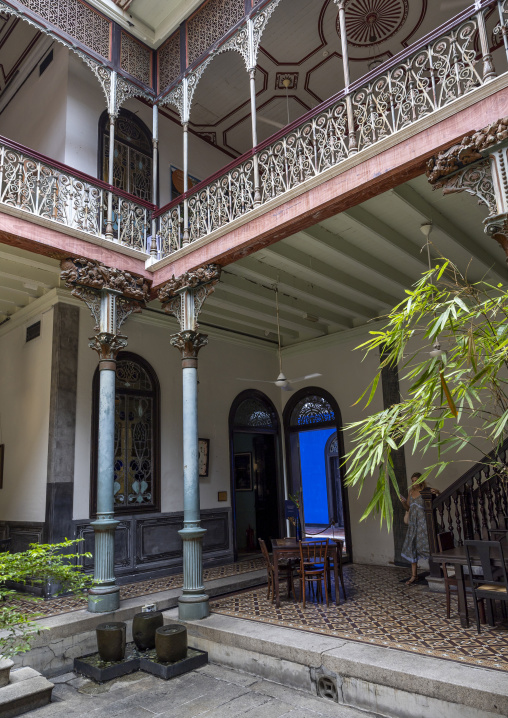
<point x="426" y="211"/>
<point x="317" y="268"/>
<point x="244" y="316"/>
<point x="259" y="271"/>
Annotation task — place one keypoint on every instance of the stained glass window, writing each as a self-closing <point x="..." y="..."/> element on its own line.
<point x="312" y="409"/>
<point x="132" y="169"/>
<point x="254" y="412"/>
<point x="136" y="436"/>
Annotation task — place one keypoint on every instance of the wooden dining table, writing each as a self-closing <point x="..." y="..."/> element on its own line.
<point x="457" y="558"/>
<point x="289" y="548"/>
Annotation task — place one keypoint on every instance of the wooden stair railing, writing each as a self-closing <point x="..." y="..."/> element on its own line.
<point x="476" y="502"/>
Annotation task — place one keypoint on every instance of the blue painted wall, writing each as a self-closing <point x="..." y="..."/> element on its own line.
<point x="313" y="468"/>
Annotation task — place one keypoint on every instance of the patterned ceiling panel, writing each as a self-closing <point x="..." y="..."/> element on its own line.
<point x="136" y="59"/>
<point x="371" y="21"/>
<point x="77" y="20"/>
<point x="168" y="57"/>
<point x="211" y="22"/>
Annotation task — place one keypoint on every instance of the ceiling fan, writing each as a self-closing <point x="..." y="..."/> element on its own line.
<point x="281" y="381"/>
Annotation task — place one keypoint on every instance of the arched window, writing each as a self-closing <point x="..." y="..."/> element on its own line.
<point x="137" y="473"/>
<point x="132" y="169"/>
<point x="312" y="409"/>
<point x="255" y="412"/>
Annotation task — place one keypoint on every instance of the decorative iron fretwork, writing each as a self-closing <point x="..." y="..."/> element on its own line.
<point x="211" y="22"/>
<point x="169" y="61"/>
<point x="253" y="412"/>
<point x="312" y="409"/>
<point x="134" y="437"/>
<point x="93" y="274"/>
<point x="38" y="188"/>
<point x="333" y="447"/>
<point x="189" y="343"/>
<point x="136" y="59"/>
<point x="475" y="180"/>
<point x="78" y="20"/>
<point x="370" y="22"/>
<point x="422" y="82"/>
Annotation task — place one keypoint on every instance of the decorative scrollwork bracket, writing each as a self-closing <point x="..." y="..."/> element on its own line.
<point x="479" y="166"/>
<point x="183" y="297"/>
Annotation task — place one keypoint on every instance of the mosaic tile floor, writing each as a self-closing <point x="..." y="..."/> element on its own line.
<point x="382" y="611"/>
<point x="66" y="604"/>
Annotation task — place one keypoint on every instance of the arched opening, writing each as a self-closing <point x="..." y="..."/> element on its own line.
<point x="256" y="486"/>
<point x="132" y="168"/>
<point x="315" y="452"/>
<point x="137" y="432"/>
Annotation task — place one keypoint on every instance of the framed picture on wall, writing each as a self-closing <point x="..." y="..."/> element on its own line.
<point x="243" y="471"/>
<point x="176" y="182"/>
<point x="204" y="457"/>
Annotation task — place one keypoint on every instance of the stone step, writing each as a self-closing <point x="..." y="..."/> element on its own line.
<point x="26" y="691"/>
<point x="384" y="681"/>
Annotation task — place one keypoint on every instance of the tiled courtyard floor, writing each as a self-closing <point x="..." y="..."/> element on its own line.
<point x="210" y="692"/>
<point x="383" y="611"/>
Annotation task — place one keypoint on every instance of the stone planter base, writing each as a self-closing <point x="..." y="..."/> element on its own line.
<point x="100" y="671"/>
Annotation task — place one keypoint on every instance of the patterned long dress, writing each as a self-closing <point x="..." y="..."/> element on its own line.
<point x="416" y="544"/>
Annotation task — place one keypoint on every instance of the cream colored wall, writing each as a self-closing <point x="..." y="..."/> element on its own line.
<point x="36" y="115"/>
<point x="219" y="363"/>
<point x="25" y="383"/>
<point x="345" y="376"/>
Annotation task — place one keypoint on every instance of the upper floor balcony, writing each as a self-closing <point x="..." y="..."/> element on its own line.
<point x="402" y="92"/>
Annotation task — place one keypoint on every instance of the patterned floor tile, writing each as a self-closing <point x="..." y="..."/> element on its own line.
<point x="382" y="611"/>
<point x="66" y="604"/>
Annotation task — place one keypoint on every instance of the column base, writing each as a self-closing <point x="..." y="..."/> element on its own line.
<point x="193" y="608"/>
<point x="102" y="602"/>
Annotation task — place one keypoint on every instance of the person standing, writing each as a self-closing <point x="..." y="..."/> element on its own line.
<point x="416" y="543"/>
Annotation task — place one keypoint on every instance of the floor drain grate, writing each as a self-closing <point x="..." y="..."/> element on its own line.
<point x="327" y="688"/>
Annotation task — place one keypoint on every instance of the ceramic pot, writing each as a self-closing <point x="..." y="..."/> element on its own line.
<point x="5" y="669"/>
<point x="144" y="626"/>
<point x="111" y="640"/>
<point x="171" y="643"/>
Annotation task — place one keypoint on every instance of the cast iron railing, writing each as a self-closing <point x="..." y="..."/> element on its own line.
<point x="438" y="69"/>
<point x="40" y="186"/>
<point x="475" y="503"/>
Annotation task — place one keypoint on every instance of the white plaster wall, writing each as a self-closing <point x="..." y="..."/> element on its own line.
<point x="345" y="376"/>
<point x="36" y="115"/>
<point x="25" y="384"/>
<point x="219" y="363"/>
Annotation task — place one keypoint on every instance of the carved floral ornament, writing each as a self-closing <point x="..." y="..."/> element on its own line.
<point x="190" y="280"/>
<point x="479" y="166"/>
<point x="96" y="275"/>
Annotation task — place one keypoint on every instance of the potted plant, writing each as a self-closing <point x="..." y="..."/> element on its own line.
<point x="36" y="567"/>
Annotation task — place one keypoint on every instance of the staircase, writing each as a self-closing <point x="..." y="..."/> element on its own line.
<point x="476" y="502"/>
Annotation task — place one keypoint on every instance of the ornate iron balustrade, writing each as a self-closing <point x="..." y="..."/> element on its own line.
<point x="475" y="503"/>
<point x="438" y="69"/>
<point x="39" y="186"/>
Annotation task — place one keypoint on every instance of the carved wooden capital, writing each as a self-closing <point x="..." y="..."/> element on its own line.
<point x="107" y="347"/>
<point x="497" y="227"/>
<point x="96" y="275"/>
<point x="470" y="150"/>
<point x="189" y="343"/>
<point x="210" y="274"/>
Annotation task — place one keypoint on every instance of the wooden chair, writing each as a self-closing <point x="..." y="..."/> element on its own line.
<point x="314" y="566"/>
<point x="340" y="547"/>
<point x="270" y="569"/>
<point x="446" y="541"/>
<point x="493" y="585"/>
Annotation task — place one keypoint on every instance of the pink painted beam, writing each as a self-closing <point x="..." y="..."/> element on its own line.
<point x="370" y="178"/>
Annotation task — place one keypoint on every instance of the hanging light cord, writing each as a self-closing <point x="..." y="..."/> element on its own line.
<point x="278" y="327"/>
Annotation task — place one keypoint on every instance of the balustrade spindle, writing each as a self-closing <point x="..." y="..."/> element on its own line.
<point x="481" y="504"/>
<point x="458" y="524"/>
<point x="503" y="29"/>
<point x="448" y="506"/>
<point x="441" y="517"/>
<point x="488" y="65"/>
